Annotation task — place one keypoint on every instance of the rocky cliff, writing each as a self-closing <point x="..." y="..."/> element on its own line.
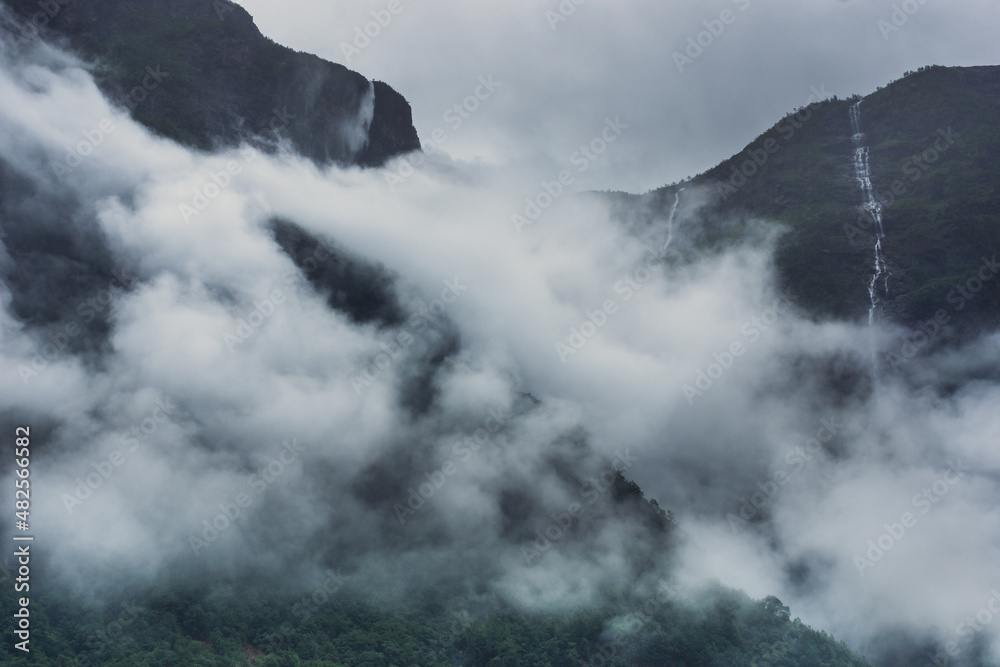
<point x="201" y="73"/>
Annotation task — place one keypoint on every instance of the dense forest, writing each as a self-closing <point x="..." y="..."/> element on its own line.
<point x="330" y="627"/>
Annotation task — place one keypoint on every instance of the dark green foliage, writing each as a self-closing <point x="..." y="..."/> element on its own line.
<point x="939" y="226"/>
<point x="182" y="628"/>
<point x="947" y="218"/>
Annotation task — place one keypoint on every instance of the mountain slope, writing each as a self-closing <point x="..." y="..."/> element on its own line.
<point x="247" y="625"/>
<point x="934" y="138"/>
<point x="56" y="238"/>
<point x="201" y="73"/>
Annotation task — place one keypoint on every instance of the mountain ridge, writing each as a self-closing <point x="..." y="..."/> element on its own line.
<point x="220" y="82"/>
<point x="940" y="218"/>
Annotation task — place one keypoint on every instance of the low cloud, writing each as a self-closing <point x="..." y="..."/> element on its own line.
<point x="479" y="415"/>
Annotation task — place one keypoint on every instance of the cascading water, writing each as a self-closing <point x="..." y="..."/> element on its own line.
<point x="862" y="169"/>
<point x="670" y="222"/>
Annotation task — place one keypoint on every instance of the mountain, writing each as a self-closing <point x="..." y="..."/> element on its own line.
<point x="201" y="73"/>
<point x="250" y="625"/>
<point x="934" y="148"/>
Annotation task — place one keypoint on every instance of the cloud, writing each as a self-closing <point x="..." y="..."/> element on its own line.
<point x="226" y="415"/>
<point x="617" y="59"/>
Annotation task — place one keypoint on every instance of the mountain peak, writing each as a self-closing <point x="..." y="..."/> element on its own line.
<point x="221" y="82"/>
<point x="933" y="149"/>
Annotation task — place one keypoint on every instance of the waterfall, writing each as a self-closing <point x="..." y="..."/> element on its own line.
<point x="670" y="223"/>
<point x="871" y="204"/>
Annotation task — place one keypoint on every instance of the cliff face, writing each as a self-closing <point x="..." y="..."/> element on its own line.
<point x="391" y="131"/>
<point x="201" y="73"/>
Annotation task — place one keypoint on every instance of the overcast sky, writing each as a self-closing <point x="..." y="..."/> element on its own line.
<point x="608" y="59"/>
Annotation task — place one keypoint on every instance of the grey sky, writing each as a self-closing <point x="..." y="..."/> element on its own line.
<point x="616" y="59"/>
